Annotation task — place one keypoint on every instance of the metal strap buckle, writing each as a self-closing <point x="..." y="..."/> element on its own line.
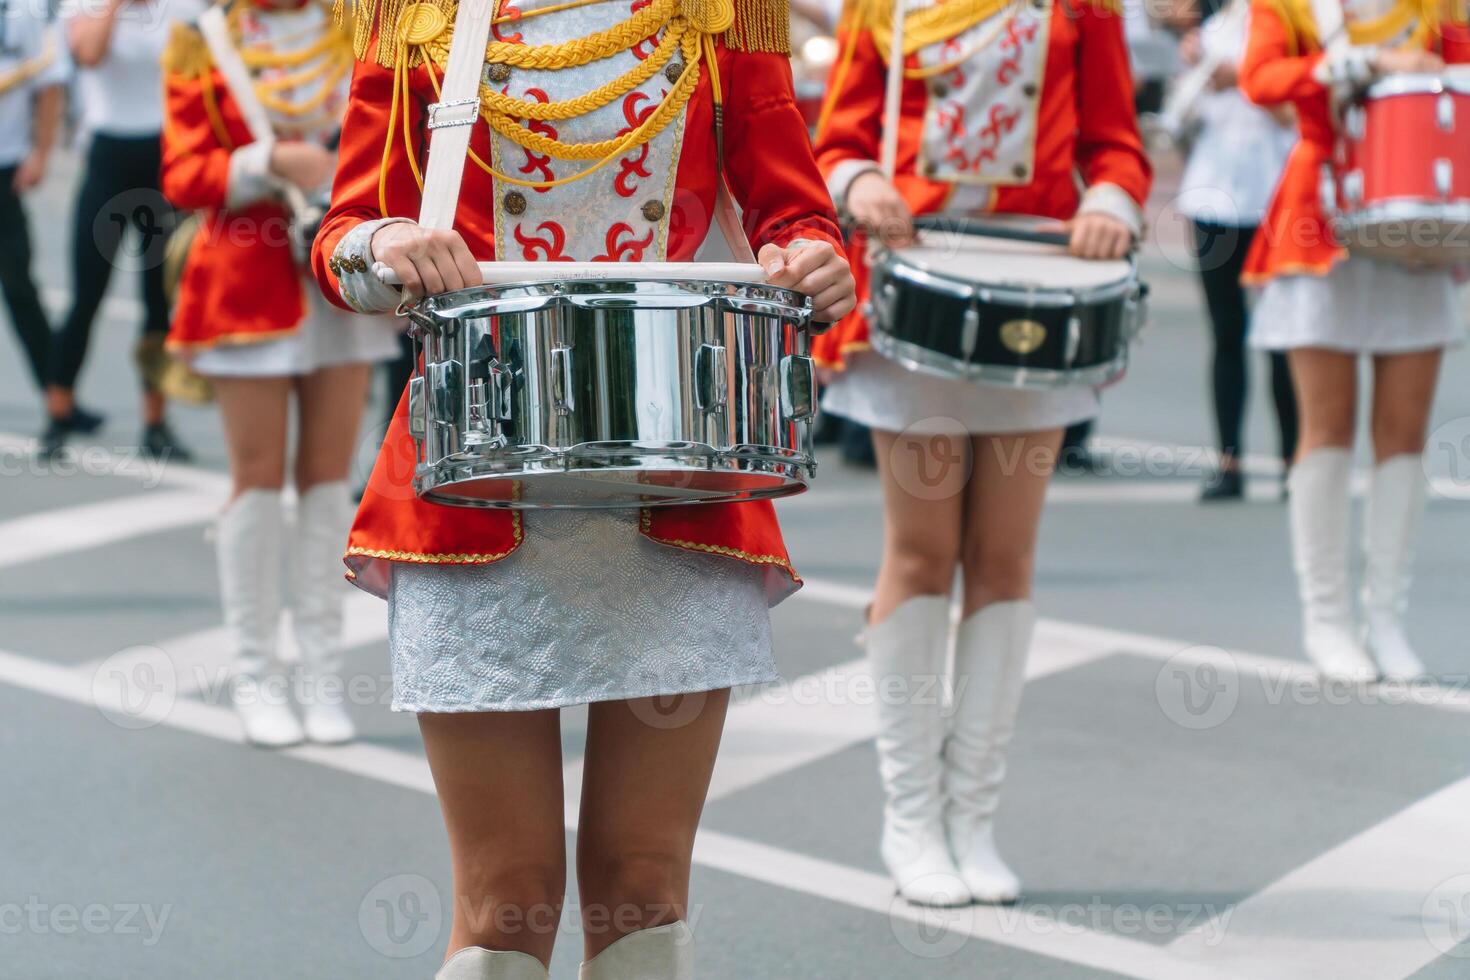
<point x="457" y="112"/>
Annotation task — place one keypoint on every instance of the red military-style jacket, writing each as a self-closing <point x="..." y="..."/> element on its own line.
<point x="1284" y="64"/>
<point x="240" y="281"/>
<point x="771" y="172"/>
<point x="1030" y="127"/>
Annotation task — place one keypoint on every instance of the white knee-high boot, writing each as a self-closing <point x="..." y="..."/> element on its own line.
<point x="990" y="672"/>
<point x="249" y="546"/>
<point x="1390" y="527"/>
<point x="661" y="953"/>
<point x="907" y="653"/>
<point x="477" y="963"/>
<point x="323" y="519"/>
<point x="1320" y="512"/>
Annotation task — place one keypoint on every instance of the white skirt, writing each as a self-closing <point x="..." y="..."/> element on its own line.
<point x="328" y="336"/>
<point x="1361" y="306"/>
<point x="586" y="609"/>
<point x="882" y="394"/>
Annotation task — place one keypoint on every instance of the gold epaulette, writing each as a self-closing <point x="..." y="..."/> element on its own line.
<point x="761" y="25"/>
<point x="1114" y="7"/>
<point x="407" y="25"/>
<point x="186" y="53"/>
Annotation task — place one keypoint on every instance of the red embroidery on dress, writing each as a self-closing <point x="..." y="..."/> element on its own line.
<point x="536" y="162"/>
<point x="634" y="164"/>
<point x="512" y="13"/>
<point x="1016" y="38"/>
<point x="552" y="245"/>
<point x="619" y="246"/>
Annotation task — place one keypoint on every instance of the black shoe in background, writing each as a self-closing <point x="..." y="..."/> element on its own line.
<point x="1223" y="485"/>
<point x="159" y="442"/>
<point x="83" y="422"/>
<point x="51" y="444"/>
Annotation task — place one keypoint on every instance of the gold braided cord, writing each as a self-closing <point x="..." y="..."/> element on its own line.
<point x="931" y="25"/>
<point x="494" y="101"/>
<point x="1424" y="16"/>
<point x="594" y="47"/>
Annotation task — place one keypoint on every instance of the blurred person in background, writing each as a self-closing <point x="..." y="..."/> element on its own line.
<point x="1327" y="309"/>
<point x="1236" y="153"/>
<point x="1059" y="77"/>
<point x="117" y="46"/>
<point x="247" y="320"/>
<point x="33" y="74"/>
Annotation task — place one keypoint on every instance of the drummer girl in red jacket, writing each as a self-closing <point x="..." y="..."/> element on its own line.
<point x="1003" y="105"/>
<point x="498" y="619"/>
<point x="1327" y="308"/>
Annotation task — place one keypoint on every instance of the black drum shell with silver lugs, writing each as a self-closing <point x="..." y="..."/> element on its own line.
<point x="1023" y="328"/>
<point x="612" y="393"/>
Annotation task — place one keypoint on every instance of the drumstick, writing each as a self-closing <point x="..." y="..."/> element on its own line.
<point x="991" y="229"/>
<point x="495" y="273"/>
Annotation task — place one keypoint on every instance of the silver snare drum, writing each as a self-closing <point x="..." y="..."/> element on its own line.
<point x="1005" y="310"/>
<point x="589" y="392"/>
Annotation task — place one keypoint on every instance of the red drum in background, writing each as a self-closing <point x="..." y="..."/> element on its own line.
<point x="1400" y="188"/>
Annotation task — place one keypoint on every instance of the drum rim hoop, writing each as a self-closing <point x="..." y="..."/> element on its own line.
<point x="894" y="267"/>
<point x="552" y="289"/>
<point x="922" y="360"/>
<point x="1421" y="83"/>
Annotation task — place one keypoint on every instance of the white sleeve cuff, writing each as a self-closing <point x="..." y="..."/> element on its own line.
<point x="1347" y="68"/>
<point x="250" y="174"/>
<point x="1114" y="201"/>
<point x="352" y="264"/>
<point x="842" y="177"/>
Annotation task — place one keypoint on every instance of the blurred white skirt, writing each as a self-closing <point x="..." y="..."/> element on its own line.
<point x="328" y="336"/>
<point x="1361" y="306"/>
<point x="882" y="394"/>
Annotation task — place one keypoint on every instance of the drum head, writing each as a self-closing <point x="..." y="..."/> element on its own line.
<point x="1010" y="264"/>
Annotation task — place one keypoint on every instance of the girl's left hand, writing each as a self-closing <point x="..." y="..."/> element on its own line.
<point x="1099" y="236"/>
<point x="813" y="268"/>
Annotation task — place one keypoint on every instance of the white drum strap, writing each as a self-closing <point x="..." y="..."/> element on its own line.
<point x="892" y="95"/>
<point x="216" y="31"/>
<point x="457" y="111"/>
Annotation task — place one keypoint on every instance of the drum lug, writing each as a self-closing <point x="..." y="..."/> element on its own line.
<point x="1074" y="339"/>
<point x="418" y="425"/>
<point x="1355" y="122"/>
<point x="970" y="333"/>
<point x="798" y="387"/>
<point x="1327" y="189"/>
<point x="1444" y="177"/>
<point x="1444" y="112"/>
<point x="711" y="380"/>
<point x="1352" y="188"/>
<point x="561" y="381"/>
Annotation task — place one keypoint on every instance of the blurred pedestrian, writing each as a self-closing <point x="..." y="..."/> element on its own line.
<point x="246" y="319"/>
<point x="117" y="47"/>
<point x="1236" y="153"/>
<point x="33" y="74"/>
<point x="1327" y="308"/>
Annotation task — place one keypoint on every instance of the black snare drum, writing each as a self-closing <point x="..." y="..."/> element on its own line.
<point x="1017" y="311"/>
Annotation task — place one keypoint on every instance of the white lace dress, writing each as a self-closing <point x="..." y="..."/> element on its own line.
<point x="586" y="609"/>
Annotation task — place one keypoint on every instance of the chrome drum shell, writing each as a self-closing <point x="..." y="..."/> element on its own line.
<point x="611" y="393"/>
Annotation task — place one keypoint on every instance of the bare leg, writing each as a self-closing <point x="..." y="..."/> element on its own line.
<point x="1326" y="394"/>
<point x="923" y="481"/>
<point x="498" y="775"/>
<point x="331" y="403"/>
<point x="1003" y="504"/>
<point x="254" y="412"/>
<point x="647" y="770"/>
<point x="1403" y="394"/>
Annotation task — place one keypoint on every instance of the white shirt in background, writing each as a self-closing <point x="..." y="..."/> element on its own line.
<point x="24" y="34"/>
<point x="123" y="96"/>
<point x="1241" y="149"/>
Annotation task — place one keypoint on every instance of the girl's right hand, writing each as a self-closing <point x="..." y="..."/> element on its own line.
<point x="426" y="261"/>
<point x="306" y="165"/>
<point x="876" y="203"/>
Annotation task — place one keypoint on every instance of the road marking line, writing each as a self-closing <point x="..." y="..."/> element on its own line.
<point x="793" y="871"/>
<point x="52" y="533"/>
<point x="1364" y="910"/>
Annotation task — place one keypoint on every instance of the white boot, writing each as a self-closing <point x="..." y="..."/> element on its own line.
<point x="323" y="520"/>
<point x="477" y="963"/>
<point x="906" y="653"/>
<point x="251" y="536"/>
<point x="661" y="953"/>
<point x="1390" y="527"/>
<point x="1320" y="510"/>
<point x="989" y="673"/>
